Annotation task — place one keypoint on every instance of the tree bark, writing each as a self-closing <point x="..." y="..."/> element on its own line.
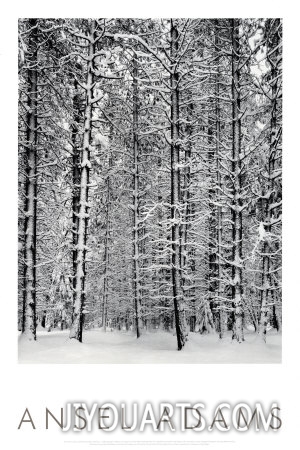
<point x="29" y="300"/>
<point x="236" y="207"/>
<point x="187" y="262"/>
<point x="212" y="227"/>
<point x="106" y="249"/>
<point x="175" y="194"/>
<point x="136" y="200"/>
<point x="83" y="215"/>
<point x="267" y="285"/>
<point x="219" y="211"/>
<point x="76" y="180"/>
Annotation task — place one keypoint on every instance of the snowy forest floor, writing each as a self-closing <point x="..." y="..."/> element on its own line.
<point x="152" y="347"/>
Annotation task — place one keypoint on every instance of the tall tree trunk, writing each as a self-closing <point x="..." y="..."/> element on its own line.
<point x="211" y="228"/>
<point x="83" y="215"/>
<point x="186" y="251"/>
<point x="267" y="286"/>
<point x="106" y="248"/>
<point x="219" y="212"/>
<point x="76" y="180"/>
<point x="136" y="200"/>
<point x="175" y="194"/>
<point x="236" y="207"/>
<point x="29" y="300"/>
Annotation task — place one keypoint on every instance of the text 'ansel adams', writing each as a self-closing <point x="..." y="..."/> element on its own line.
<point x="174" y="417"/>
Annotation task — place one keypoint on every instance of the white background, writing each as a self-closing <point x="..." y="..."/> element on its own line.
<point x="38" y="386"/>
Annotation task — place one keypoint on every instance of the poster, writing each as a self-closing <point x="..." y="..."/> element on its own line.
<point x="41" y="387"/>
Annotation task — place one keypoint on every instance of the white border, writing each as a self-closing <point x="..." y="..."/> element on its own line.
<point x="36" y="386"/>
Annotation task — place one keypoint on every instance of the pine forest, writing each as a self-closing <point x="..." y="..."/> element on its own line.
<point x="150" y="190"/>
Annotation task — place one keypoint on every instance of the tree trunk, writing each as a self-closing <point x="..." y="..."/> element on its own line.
<point x="136" y="200"/>
<point x="29" y="300"/>
<point x="175" y="194"/>
<point x="83" y="215"/>
<point x="187" y="251"/>
<point x="76" y="180"/>
<point x="236" y="207"/>
<point x="267" y="286"/>
<point x="219" y="212"/>
<point x="106" y="249"/>
<point x="212" y="227"/>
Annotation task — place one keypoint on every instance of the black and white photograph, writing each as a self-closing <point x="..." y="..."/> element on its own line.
<point x="149" y="189"/>
<point x="149" y="224"/>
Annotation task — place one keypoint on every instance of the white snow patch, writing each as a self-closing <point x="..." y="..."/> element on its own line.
<point x="155" y="347"/>
<point x="101" y="140"/>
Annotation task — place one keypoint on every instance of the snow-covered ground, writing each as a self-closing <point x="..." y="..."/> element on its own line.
<point x="152" y="347"/>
